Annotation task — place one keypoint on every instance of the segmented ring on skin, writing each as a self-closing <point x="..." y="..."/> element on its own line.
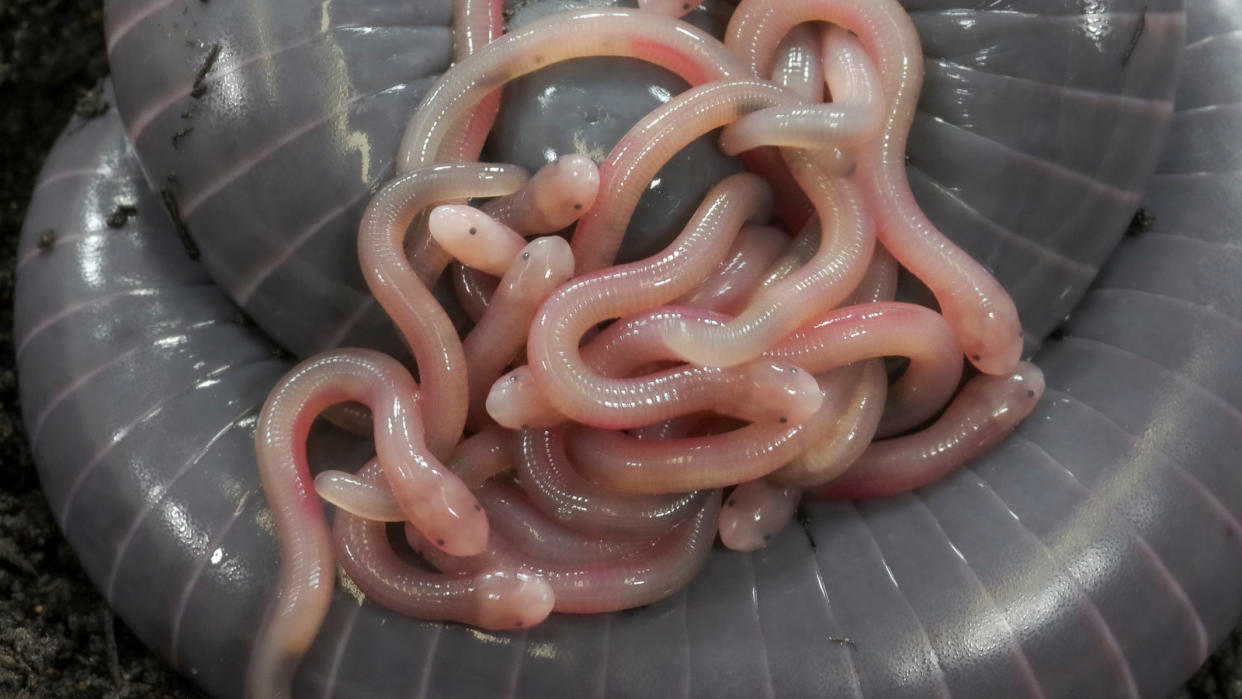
<point x="986" y="410"/>
<point x="421" y="319"/>
<point x="979" y="309"/>
<point x="549" y="478"/>
<point x="500" y="597"/>
<point x="641" y="483"/>
<point x="429" y="496"/>
<point x="644" y="577"/>
<point x="993" y="475"/>
<point x="553" y="198"/>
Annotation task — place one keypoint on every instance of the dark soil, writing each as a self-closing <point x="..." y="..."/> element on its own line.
<point x="57" y="637"/>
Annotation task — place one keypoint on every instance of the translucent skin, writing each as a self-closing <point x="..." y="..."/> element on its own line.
<point x="754" y="512"/>
<point x="536" y="536"/>
<point x="474" y="238"/>
<point x="805" y="376"/>
<point x="651" y="574"/>
<point x="976" y="306"/>
<point x="885" y="329"/>
<point x="740" y="272"/>
<point x="502" y="597"/>
<point x="841" y="431"/>
<point x="429" y="495"/>
<point x="854" y="116"/>
<point x="681" y="48"/>
<point x="821" y="284"/>
<point x="421" y="319"/>
<point x="474" y="461"/>
<point x="669" y="8"/>
<point x="530" y="273"/>
<point x="799" y="64"/>
<point x="649" y="144"/>
<point x="625" y="464"/>
<point x="548" y="477"/>
<point x="542" y="266"/>
<point x="986" y="410"/>
<point x="579" y="392"/>
<point x="475" y="24"/>
<point x="854" y="396"/>
<point x="553" y="198"/>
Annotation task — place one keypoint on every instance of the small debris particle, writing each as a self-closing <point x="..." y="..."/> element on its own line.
<point x="121" y="215"/>
<point x="179" y="136"/>
<point x="174" y="210"/>
<point x="843" y="640"/>
<point x="1139" y="27"/>
<point x="47" y="238"/>
<point x="1058" y="333"/>
<point x="1140" y="224"/>
<point x="804" y="520"/>
<point x="200" y="84"/>
<point x="91" y="103"/>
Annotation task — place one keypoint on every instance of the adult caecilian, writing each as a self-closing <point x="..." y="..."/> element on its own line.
<point x="1055" y="566"/>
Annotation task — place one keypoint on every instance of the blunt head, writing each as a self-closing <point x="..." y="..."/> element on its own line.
<point x="511" y="599"/>
<point x="773" y="391"/>
<point x="565" y="189"/>
<point x="515" y="401"/>
<point x="544" y="264"/>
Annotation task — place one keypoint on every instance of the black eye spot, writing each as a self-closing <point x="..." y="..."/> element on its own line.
<point x="517" y="624"/>
<point x="685" y="6"/>
<point x="1030" y="394"/>
<point x="577" y="207"/>
<point x="767" y="537"/>
<point x="526" y="256"/>
<point x="731" y="503"/>
<point x="976" y="357"/>
<point x="439" y="542"/>
<point x="473" y="230"/>
<point x="477" y="507"/>
<point x="784" y="419"/>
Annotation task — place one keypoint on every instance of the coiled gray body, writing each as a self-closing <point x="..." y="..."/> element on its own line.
<point x="1098" y="552"/>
